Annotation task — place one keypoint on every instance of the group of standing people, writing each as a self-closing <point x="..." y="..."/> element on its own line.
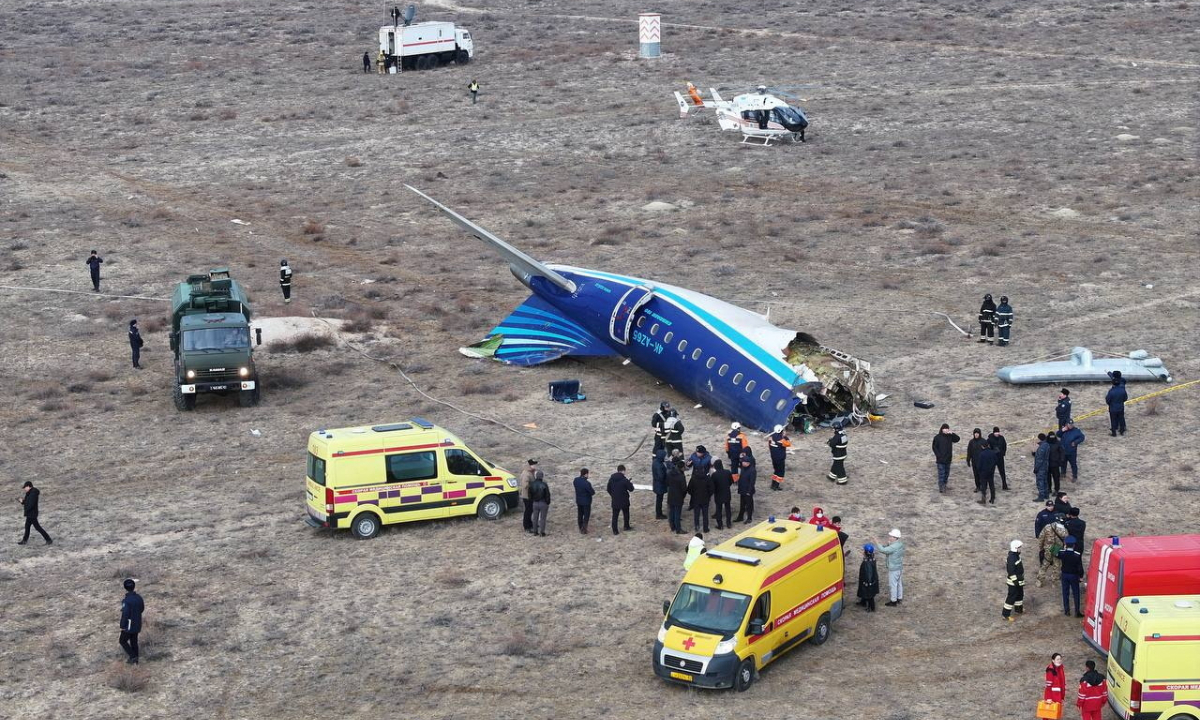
<point x="1092" y="694"/>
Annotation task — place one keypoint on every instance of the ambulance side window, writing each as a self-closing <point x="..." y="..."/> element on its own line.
<point x="1122" y="648"/>
<point x="762" y="609"/>
<point x="458" y="462"/>
<point x="411" y="466"/>
<point x="316" y="469"/>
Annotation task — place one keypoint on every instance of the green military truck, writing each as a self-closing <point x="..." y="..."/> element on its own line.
<point x="210" y="336"/>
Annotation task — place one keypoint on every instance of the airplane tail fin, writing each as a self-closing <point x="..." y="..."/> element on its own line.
<point x="535" y="333"/>
<point x="524" y="266"/>
<point x="715" y="95"/>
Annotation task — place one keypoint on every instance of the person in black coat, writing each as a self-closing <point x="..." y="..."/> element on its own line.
<point x="658" y="471"/>
<point x="1000" y="444"/>
<point x="619" y="488"/>
<point x="1076" y="527"/>
<point x="583" y="500"/>
<point x="135" y="342"/>
<point x="700" y="489"/>
<point x="868" y="579"/>
<point x="1062" y="411"/>
<point x="985" y="469"/>
<point x="29" y="503"/>
<point x="974" y="445"/>
<point x="943" y="454"/>
<point x="987" y="320"/>
<point x="722" y="481"/>
<point x="746" y="479"/>
<point x="366" y="63"/>
<point x="1072" y="573"/>
<point x="132" y="608"/>
<point x="676" y="492"/>
<point x="1058" y="458"/>
<point x="94" y="262"/>
<point x="658" y="421"/>
<point x="1116" y="399"/>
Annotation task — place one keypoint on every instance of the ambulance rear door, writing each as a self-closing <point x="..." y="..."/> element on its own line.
<point x="1102" y="594"/>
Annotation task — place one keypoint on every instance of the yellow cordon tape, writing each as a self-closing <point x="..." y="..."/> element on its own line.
<point x="1094" y="413"/>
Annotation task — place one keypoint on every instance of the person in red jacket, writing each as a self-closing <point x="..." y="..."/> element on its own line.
<point x="1056" y="680"/>
<point x="1093" y="693"/>
<point x="818" y="518"/>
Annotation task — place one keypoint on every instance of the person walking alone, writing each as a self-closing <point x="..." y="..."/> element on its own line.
<point x="722" y="481"/>
<point x="943" y="454"/>
<point x="1072" y="573"/>
<point x="29" y="504"/>
<point x="745" y="483"/>
<point x="619" y="487"/>
<point x="894" y="551"/>
<point x="837" y="448"/>
<point x="135" y="343"/>
<point x="1000" y="444"/>
<point x="473" y="88"/>
<point x="539" y="495"/>
<point x="1116" y="399"/>
<point x="285" y="281"/>
<point x="1093" y="693"/>
<point x="868" y="579"/>
<point x="94" y="262"/>
<point x="583" y="500"/>
<point x="132" y="607"/>
<point x="1015" y="580"/>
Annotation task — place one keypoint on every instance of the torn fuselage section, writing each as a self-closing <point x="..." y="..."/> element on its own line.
<point x="832" y="386"/>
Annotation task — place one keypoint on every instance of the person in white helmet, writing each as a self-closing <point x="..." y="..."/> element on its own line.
<point x="778" y="442"/>
<point x="894" y="551"/>
<point x="285" y="280"/>
<point x="1015" y="600"/>
<point x="735" y="442"/>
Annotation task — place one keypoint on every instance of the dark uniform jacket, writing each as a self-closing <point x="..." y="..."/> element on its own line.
<point x="868" y="579"/>
<point x="700" y="464"/>
<point x="1115" y="399"/>
<point x="998" y="443"/>
<point x="943" y="447"/>
<point x="583" y="491"/>
<point x="985" y="463"/>
<point x="722" y="485"/>
<point x="700" y="488"/>
<point x="1058" y="456"/>
<point x="30" y="502"/>
<point x="1044" y="518"/>
<point x="1062" y="411"/>
<point x="676" y="485"/>
<point x="987" y="312"/>
<point x="131" y="612"/>
<point x="1016" y="570"/>
<point x="658" y="472"/>
<point x="1071" y="440"/>
<point x="974" y="445"/>
<point x="837" y="445"/>
<point x="619" y="488"/>
<point x="657" y="421"/>
<point x="674" y="434"/>
<point x="747" y="476"/>
<point x="135" y="337"/>
<point x="539" y="491"/>
<point x="1072" y="562"/>
<point x="1076" y="528"/>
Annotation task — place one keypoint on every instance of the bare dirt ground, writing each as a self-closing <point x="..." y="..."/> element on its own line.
<point x="947" y="139"/>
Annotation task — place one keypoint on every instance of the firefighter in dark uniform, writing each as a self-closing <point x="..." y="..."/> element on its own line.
<point x="735" y="442"/>
<point x="837" y="446"/>
<point x="135" y="342"/>
<point x="778" y="443"/>
<point x="1015" y="600"/>
<point x="987" y="320"/>
<point x="1004" y="321"/>
<point x="673" y="435"/>
<point x="658" y="421"/>
<point x="285" y="280"/>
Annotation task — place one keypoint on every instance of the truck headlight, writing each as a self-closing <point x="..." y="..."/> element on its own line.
<point x="725" y="646"/>
<point x="244" y="372"/>
<point x="512" y="482"/>
<point x="662" y="634"/>
<point x="191" y="374"/>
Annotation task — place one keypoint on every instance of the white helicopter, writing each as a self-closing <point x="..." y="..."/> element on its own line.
<point x="757" y="115"/>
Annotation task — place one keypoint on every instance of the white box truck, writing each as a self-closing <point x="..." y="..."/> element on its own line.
<point x="425" y="45"/>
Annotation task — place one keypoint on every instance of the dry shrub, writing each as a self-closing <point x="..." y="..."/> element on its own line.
<point x="666" y="542"/>
<point x="312" y="227"/>
<point x="285" y="379"/>
<point x="359" y="322"/>
<point x="1153" y="407"/>
<point x="477" y="387"/>
<point x="353" y="162"/>
<point x="519" y="644"/>
<point x="162" y="213"/>
<point x="44" y="391"/>
<point x="306" y="343"/>
<point x="453" y="579"/>
<point x="99" y="376"/>
<point x="52" y="406"/>
<point x="154" y="324"/>
<point x="128" y="678"/>
<point x="227" y="114"/>
<point x="79" y="387"/>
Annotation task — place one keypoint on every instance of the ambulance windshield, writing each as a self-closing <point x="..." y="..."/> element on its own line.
<point x="708" y="610"/>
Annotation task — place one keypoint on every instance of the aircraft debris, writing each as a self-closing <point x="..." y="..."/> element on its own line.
<point x="1081" y="367"/>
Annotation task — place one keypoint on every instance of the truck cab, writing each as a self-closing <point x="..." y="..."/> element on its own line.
<point x="210" y="336"/>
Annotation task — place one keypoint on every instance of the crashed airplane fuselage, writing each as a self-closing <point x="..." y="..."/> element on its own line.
<point x="729" y="359"/>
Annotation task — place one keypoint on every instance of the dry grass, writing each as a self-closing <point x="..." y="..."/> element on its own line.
<point x="306" y="343"/>
<point x="127" y="678"/>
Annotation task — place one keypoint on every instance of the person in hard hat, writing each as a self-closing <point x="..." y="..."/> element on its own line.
<point x="1115" y="400"/>
<point x="1072" y="573"/>
<point x="673" y="434"/>
<point x="837" y="447"/>
<point x="895" y="565"/>
<point x="868" y="579"/>
<point x="987" y="320"/>
<point x="1015" y="600"/>
<point x="285" y="280"/>
<point x="1056" y="680"/>
<point x="135" y="342"/>
<point x="94" y="262"/>
<point x="722" y="481"/>
<point x="366" y="62"/>
<point x="473" y="88"/>
<point x="695" y="549"/>
<point x="1093" y="693"/>
<point x="747" y="476"/>
<point x="132" y="607"/>
<point x="658" y="421"/>
<point x="735" y="441"/>
<point x="777" y="443"/>
<point x="1004" y="321"/>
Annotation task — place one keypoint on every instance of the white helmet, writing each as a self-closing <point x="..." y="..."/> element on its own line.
<point x="895" y="533"/>
<point x="1015" y="545"/>
<point x="778" y="428"/>
<point x="735" y="426"/>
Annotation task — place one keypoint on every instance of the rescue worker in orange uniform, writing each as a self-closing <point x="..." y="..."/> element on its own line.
<point x="735" y="442"/>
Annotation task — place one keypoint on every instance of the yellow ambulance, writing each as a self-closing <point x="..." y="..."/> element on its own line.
<point x="1154" y="658"/>
<point x="749" y="600"/>
<point x="363" y="478"/>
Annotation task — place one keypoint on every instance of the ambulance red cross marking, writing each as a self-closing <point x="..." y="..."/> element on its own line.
<point x="689" y="644"/>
